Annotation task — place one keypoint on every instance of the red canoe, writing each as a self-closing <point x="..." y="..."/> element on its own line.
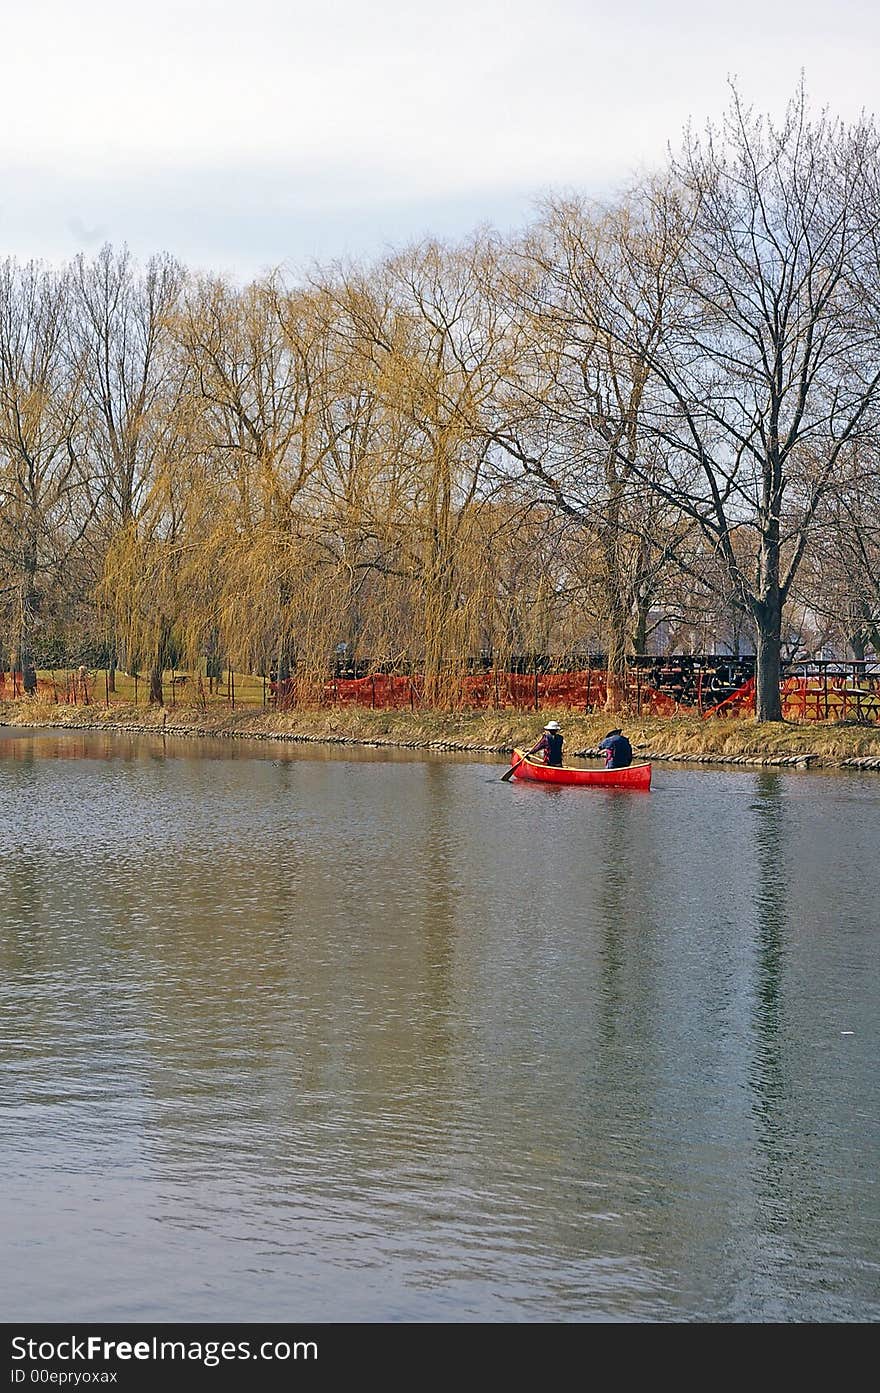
<point x="636" y="776"/>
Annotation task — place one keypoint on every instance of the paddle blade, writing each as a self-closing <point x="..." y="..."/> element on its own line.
<point x="509" y="773"/>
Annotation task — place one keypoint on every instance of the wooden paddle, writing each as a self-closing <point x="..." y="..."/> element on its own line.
<point x="509" y="773"/>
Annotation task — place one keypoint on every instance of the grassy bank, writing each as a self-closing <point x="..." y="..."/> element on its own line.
<point x="676" y="738"/>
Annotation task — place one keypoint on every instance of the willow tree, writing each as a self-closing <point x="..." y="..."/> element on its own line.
<point x="131" y="381"/>
<point x="538" y="583"/>
<point x="436" y="341"/>
<point x="146" y="582"/>
<point x="363" y="501"/>
<point x="766" y="366"/>
<point x="255" y="362"/>
<point x="43" y="484"/>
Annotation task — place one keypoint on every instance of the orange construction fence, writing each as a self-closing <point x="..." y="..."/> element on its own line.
<point x="826" y="696"/>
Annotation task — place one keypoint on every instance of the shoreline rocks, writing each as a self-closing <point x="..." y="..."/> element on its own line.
<point x="800" y="760"/>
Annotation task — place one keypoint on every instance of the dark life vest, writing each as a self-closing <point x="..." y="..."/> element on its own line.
<point x="554" y="746"/>
<point x="621" y="751"/>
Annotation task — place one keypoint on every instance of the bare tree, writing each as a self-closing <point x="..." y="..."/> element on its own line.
<point x="766" y="367"/>
<point x="43" y="492"/>
<point x="840" y="582"/>
<point x="572" y="418"/>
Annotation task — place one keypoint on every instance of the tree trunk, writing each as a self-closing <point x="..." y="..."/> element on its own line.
<point x="157" y="696"/>
<point x="617" y="635"/>
<point x="213" y="661"/>
<point x="613" y="580"/>
<point x="857" y="643"/>
<point x="615" y="679"/>
<point x="768" y="660"/>
<point x="766" y="609"/>
<point x="285" y="658"/>
<point x="30" y="607"/>
<point x="437" y="578"/>
<point x="640" y="631"/>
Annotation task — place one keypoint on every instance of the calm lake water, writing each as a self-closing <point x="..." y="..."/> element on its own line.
<point x="337" y="1036"/>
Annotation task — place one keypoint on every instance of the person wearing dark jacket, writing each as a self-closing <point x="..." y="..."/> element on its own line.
<point x="550" y="744"/>
<point x="618" y="750"/>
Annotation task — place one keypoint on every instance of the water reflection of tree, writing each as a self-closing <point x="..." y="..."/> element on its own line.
<point x="627" y="1117"/>
<point x="771" y="891"/>
<point x="439" y="917"/>
<point x="625" y="909"/>
<point x="769" y="1075"/>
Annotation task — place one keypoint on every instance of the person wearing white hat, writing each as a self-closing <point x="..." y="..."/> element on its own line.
<point x="550" y="743"/>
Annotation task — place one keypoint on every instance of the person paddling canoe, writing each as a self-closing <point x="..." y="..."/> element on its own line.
<point x="618" y="750"/>
<point x="550" y="744"/>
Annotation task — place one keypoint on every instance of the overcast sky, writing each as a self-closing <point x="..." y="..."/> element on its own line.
<point x="239" y="136"/>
